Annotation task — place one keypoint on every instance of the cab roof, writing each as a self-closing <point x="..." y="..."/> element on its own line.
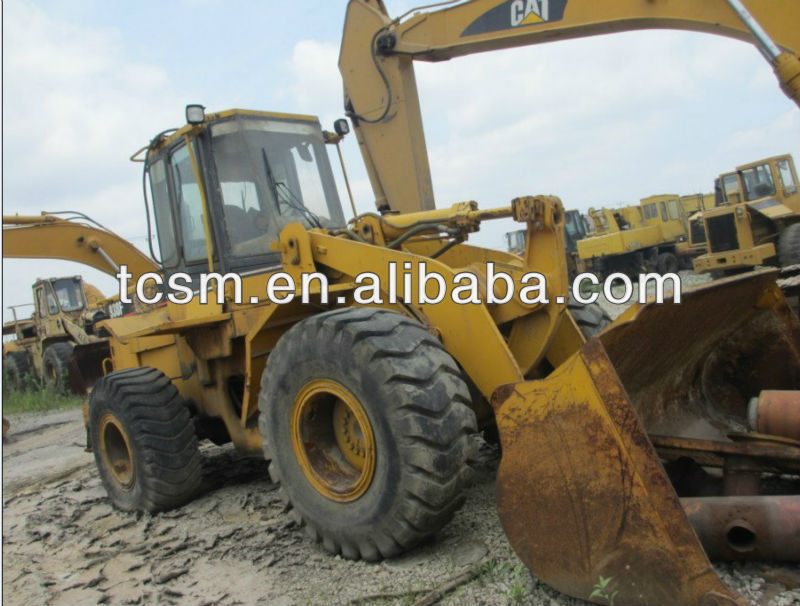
<point x="228" y="113"/>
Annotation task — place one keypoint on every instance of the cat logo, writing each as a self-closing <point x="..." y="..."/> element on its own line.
<point x="516" y="13"/>
<point x="528" y="12"/>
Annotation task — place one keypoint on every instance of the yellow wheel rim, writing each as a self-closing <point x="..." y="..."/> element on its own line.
<point x="115" y="450"/>
<point x="333" y="440"/>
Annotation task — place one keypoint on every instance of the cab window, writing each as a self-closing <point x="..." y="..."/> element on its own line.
<point x="271" y="173"/>
<point x="650" y="211"/>
<point x="69" y="295"/>
<point x="785" y="171"/>
<point x="672" y="207"/>
<point x="730" y="185"/>
<point x="189" y="206"/>
<point x="758" y="182"/>
<point x="165" y="226"/>
<point x="40" y="304"/>
<point x="52" y="306"/>
<point x="663" y="210"/>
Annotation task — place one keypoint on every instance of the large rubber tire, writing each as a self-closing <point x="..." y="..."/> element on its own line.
<point x="144" y="442"/>
<point x="667" y="263"/>
<point x="591" y="318"/>
<point x="416" y="403"/>
<point x="55" y="367"/>
<point x="789" y="246"/>
<point x="16" y="368"/>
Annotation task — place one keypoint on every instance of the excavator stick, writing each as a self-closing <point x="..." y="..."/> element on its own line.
<point x="582" y="492"/>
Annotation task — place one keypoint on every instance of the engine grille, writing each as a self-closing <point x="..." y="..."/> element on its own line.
<point x="722" y="233"/>
<point x="698" y="232"/>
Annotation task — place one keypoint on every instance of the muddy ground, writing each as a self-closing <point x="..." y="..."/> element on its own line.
<point x="64" y="544"/>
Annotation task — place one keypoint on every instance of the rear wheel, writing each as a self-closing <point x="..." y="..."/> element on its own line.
<point x="365" y="419"/>
<point x="55" y="367"/>
<point x="789" y="246"/>
<point x="16" y="368"/>
<point x="144" y="442"/>
<point x="667" y="263"/>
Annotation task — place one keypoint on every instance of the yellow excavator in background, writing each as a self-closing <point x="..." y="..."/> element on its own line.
<point x="365" y="409"/>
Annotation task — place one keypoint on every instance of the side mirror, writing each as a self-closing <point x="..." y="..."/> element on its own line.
<point x="341" y="126"/>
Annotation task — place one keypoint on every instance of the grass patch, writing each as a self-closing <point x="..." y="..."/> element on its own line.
<point x="37" y="399"/>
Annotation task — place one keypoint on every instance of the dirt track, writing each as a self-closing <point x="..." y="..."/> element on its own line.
<point x="64" y="544"/>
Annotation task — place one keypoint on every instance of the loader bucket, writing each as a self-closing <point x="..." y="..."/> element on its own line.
<point x="582" y="493"/>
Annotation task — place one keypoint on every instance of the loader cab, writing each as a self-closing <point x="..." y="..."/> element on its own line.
<point x="575" y="228"/>
<point x="729" y="189"/>
<point x="515" y="241"/>
<point x="56" y="295"/>
<point x="772" y="179"/>
<point x="225" y="185"/>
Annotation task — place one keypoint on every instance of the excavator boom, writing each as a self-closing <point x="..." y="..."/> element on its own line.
<point x="378" y="52"/>
<point x="72" y="240"/>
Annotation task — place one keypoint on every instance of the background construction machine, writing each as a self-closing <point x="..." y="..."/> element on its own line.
<point x="66" y="313"/>
<point x="63" y="343"/>
<point x="757" y="219"/>
<point x="366" y="410"/>
<point x="650" y="237"/>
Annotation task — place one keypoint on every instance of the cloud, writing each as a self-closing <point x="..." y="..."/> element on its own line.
<point x="75" y="108"/>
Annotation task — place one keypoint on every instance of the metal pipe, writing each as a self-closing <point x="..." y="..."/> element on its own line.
<point x="745" y="528"/>
<point x="106" y="256"/>
<point x="776" y="413"/>
<point x="764" y="44"/>
<point x="346" y="181"/>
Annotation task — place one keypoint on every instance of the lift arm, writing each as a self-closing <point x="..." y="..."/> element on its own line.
<point x="377" y="55"/>
<point x="51" y="237"/>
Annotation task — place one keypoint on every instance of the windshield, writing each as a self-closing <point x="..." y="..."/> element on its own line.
<point x="758" y="182"/>
<point x="574" y="225"/>
<point x="69" y="294"/>
<point x="272" y="173"/>
<point x="515" y="240"/>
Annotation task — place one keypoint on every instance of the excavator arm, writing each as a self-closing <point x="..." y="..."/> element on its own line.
<point x="378" y="53"/>
<point x="50" y="237"/>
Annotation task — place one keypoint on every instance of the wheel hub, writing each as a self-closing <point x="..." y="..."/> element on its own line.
<point x="115" y="450"/>
<point x="333" y="440"/>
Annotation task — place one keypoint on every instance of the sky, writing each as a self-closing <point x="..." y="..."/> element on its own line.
<point x="599" y="121"/>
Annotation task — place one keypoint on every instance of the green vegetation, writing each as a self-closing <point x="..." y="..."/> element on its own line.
<point x="603" y="589"/>
<point x="35" y="398"/>
<point x="519" y="586"/>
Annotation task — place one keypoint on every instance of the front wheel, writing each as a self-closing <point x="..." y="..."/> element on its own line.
<point x="366" y="421"/>
<point x="56" y="363"/>
<point x="144" y="442"/>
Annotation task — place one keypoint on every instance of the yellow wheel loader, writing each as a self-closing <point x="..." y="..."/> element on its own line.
<point x="365" y="394"/>
<point x="757" y="219"/>
<point x="66" y="314"/>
